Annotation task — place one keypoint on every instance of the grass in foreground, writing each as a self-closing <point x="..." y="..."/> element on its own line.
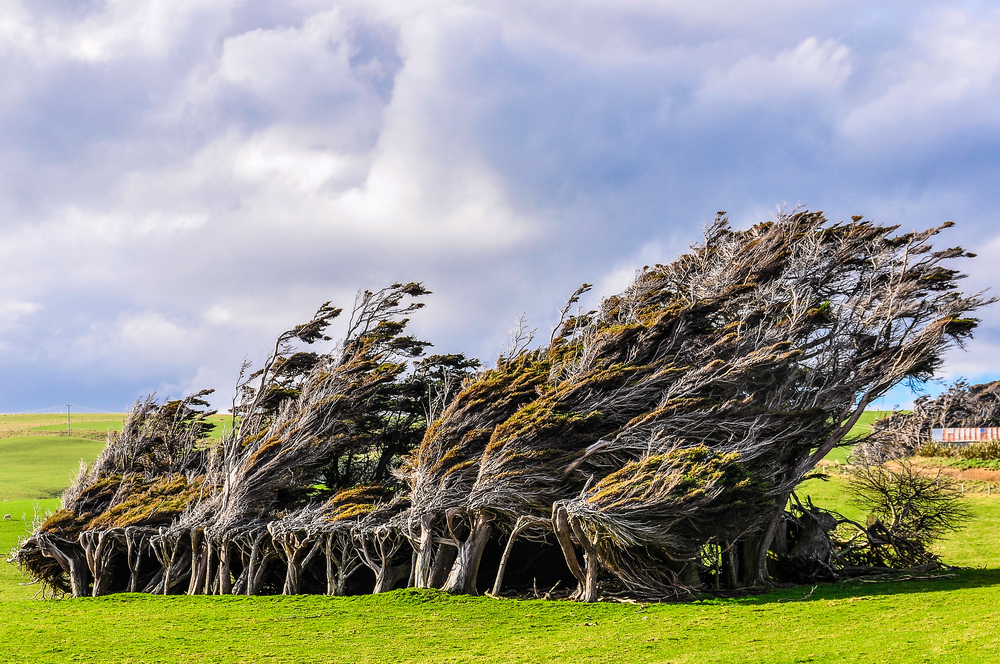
<point x="947" y="619"/>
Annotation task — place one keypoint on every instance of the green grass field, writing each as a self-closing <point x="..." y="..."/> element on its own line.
<point x="41" y="466"/>
<point x="90" y="425"/>
<point x="15" y="423"/>
<point x="946" y="619"/>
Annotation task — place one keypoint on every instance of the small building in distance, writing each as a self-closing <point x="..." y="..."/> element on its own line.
<point x="965" y="434"/>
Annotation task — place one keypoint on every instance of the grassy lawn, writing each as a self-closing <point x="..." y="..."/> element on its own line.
<point x="946" y="619"/>
<point x="862" y="428"/>
<point x="22" y="514"/>
<point x="41" y="466"/>
<point x="949" y="620"/>
<point x="976" y="545"/>
<point x="13" y="423"/>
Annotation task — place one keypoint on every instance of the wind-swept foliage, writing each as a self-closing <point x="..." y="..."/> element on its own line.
<point x="650" y="447"/>
<point x="903" y="434"/>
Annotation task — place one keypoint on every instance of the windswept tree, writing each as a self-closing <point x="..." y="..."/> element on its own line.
<point x="312" y="432"/>
<point x="763" y="346"/>
<point x="651" y="445"/>
<point x="903" y="434"/>
<point x="441" y="472"/>
<point x="145" y="478"/>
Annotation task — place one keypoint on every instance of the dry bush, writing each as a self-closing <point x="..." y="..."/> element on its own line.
<point x="907" y="514"/>
<point x="935" y="449"/>
<point x="983" y="450"/>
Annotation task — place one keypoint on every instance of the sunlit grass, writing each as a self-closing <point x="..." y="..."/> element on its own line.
<point x="946" y="619"/>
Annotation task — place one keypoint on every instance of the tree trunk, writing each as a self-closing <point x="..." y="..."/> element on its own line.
<point x="812" y="548"/>
<point x="251" y="568"/>
<point x="291" y="586"/>
<point x="341" y="588"/>
<point x="225" y="562"/>
<point x="590" y="584"/>
<point x="198" y="561"/>
<point x="75" y="567"/>
<point x="180" y="560"/>
<point x="263" y="554"/>
<point x="258" y="563"/>
<point x="730" y="566"/>
<point x="502" y="568"/>
<point x="172" y="556"/>
<point x="206" y="583"/>
<point x="424" y="566"/>
<point x="331" y="566"/>
<point x="154" y="584"/>
<point x="388" y="575"/>
<point x="388" y="543"/>
<point x="586" y="575"/>
<point x="257" y="580"/>
<point x="747" y="551"/>
<point x="759" y="575"/>
<point x="78" y="577"/>
<point x="135" y="540"/>
<point x="240" y="585"/>
<point x="522" y="523"/>
<point x="294" y="547"/>
<point x="462" y="580"/>
<point x="591" y="561"/>
<point x="341" y="561"/>
<point x="102" y="556"/>
<point x="97" y="547"/>
<point x="562" y="529"/>
<point x="444" y="559"/>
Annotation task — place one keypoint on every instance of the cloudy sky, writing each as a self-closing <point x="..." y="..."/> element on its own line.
<point x="180" y="180"/>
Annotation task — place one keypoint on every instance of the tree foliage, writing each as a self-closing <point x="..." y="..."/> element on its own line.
<point x="903" y="434"/>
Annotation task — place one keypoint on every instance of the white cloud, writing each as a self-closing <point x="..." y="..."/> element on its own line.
<point x="181" y="181"/>
<point x="13" y="311"/>
<point x="948" y="81"/>
<point x="810" y="66"/>
<point x="271" y="158"/>
<point x="262" y="59"/>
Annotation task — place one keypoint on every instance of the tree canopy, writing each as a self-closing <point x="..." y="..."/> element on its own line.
<point x="651" y="446"/>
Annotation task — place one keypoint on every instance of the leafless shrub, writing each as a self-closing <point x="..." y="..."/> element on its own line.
<point x="907" y="513"/>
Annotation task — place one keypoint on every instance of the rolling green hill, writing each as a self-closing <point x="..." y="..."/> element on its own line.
<point x="42" y="466"/>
